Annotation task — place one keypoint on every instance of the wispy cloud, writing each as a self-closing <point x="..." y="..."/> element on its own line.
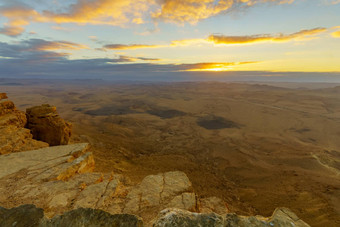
<point x="40" y="45"/>
<point x="125" y="58"/>
<point x="39" y="50"/>
<point x="120" y="13"/>
<point x="219" y="39"/>
<point x="129" y="46"/>
<point x="192" y="11"/>
<point x="303" y="34"/>
<point x="18" y="15"/>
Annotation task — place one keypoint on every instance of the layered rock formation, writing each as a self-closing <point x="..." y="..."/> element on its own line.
<point x="29" y="215"/>
<point x="60" y="179"/>
<point x="46" y="125"/>
<point x="282" y="217"/>
<point x="13" y="136"/>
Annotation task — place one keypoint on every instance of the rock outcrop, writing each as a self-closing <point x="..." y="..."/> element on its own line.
<point x="59" y="179"/>
<point x="29" y="215"/>
<point x="13" y="136"/>
<point x="3" y="96"/>
<point x="156" y="192"/>
<point x="282" y="217"/>
<point x="46" y="125"/>
<point x="25" y="215"/>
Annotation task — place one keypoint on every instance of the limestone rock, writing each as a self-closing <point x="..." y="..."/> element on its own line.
<point x="282" y="217"/>
<point x="186" y="201"/>
<point x="29" y="215"/>
<point x="60" y="179"/>
<point x="157" y="192"/>
<point x="179" y="218"/>
<point x="13" y="136"/>
<point x="46" y="125"/>
<point x="3" y="96"/>
<point x="10" y="115"/>
<point x="40" y="177"/>
<point x="213" y="204"/>
<point x="52" y="161"/>
<point x="25" y="215"/>
<point x="13" y="139"/>
<point x="93" y="218"/>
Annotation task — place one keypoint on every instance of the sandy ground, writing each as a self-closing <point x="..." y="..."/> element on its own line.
<point x="257" y="146"/>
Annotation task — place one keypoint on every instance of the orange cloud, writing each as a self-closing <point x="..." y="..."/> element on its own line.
<point x="123" y="12"/>
<point x="11" y="31"/>
<point x="110" y="12"/>
<point x="221" y="39"/>
<point x="212" y="66"/>
<point x="18" y="17"/>
<point x="192" y="11"/>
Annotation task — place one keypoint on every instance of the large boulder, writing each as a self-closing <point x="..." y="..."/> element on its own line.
<point x="46" y="125"/>
<point x="13" y="136"/>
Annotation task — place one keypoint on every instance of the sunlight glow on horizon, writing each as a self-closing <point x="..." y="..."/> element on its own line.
<point x="186" y="35"/>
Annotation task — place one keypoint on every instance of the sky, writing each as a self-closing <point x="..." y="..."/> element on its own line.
<point x="129" y="38"/>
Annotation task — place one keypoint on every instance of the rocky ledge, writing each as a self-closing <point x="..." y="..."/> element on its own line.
<point x="29" y="215"/>
<point x="60" y="179"/>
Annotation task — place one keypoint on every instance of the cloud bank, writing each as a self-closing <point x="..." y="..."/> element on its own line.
<point x="37" y="56"/>
<point x="119" y="12"/>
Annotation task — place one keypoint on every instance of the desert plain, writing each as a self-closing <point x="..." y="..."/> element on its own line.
<point x="257" y="146"/>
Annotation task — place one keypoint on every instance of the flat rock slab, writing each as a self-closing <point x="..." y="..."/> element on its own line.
<point x="12" y="163"/>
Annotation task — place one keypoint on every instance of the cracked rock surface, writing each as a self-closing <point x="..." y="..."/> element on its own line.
<point x="282" y="217"/>
<point x="60" y="178"/>
<point x="61" y="181"/>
